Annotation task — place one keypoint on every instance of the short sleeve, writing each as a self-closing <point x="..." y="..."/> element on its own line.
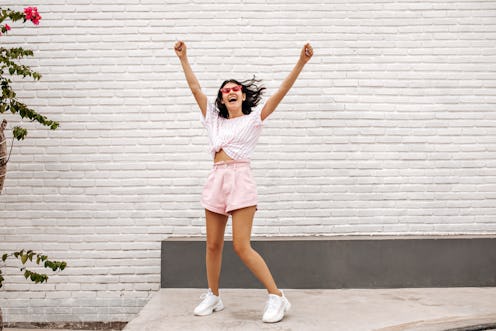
<point x="257" y="113"/>
<point x="211" y="110"/>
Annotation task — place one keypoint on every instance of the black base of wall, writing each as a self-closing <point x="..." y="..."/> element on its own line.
<point x="104" y="326"/>
<point x="340" y="263"/>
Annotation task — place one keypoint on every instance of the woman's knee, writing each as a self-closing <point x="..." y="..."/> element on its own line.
<point x="241" y="248"/>
<point x="214" y="247"/>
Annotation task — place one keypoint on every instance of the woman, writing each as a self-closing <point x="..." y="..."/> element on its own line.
<point x="233" y="123"/>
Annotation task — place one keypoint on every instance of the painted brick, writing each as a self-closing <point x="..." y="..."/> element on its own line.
<point x="390" y="129"/>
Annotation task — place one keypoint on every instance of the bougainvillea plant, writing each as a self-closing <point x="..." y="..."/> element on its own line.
<point x="9" y="67"/>
<point x="9" y="102"/>
<point x="36" y="277"/>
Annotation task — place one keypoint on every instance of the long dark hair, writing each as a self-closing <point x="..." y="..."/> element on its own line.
<point x="253" y="92"/>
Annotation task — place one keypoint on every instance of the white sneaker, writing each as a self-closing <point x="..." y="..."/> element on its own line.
<point x="209" y="304"/>
<point x="275" y="307"/>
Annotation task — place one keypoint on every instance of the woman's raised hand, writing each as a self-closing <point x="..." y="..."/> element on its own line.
<point x="306" y="53"/>
<point x="180" y="49"/>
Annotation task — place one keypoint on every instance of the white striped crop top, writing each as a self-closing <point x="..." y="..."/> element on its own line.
<point x="236" y="136"/>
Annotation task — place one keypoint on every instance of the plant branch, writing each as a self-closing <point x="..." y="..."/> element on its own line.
<point x="24" y="256"/>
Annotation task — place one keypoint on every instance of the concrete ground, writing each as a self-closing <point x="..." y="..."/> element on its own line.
<point x="343" y="309"/>
<point x="405" y="309"/>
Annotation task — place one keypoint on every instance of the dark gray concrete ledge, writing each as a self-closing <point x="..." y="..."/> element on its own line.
<point x="331" y="262"/>
<point x="340" y="237"/>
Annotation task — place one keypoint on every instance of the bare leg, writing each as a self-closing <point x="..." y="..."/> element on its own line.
<point x="242" y="221"/>
<point x="216" y="225"/>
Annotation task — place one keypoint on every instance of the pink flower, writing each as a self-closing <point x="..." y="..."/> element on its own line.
<point x="31" y="13"/>
<point x="28" y="12"/>
<point x="7" y="27"/>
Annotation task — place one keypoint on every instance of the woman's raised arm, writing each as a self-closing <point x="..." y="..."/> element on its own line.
<point x="194" y="85"/>
<point x="271" y="104"/>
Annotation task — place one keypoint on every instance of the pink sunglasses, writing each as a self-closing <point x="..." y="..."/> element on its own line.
<point x="226" y="90"/>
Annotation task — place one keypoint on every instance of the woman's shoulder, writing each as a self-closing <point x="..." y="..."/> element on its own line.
<point x="257" y="112"/>
<point x="211" y="112"/>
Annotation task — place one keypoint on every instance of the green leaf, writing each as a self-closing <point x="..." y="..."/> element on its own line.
<point x="24" y="258"/>
<point x="19" y="133"/>
<point x="4" y="257"/>
<point x="42" y="278"/>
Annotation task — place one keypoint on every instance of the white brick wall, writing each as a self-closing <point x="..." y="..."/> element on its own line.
<point x="390" y="129"/>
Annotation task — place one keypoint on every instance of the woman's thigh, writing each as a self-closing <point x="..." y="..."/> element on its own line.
<point x="242" y="222"/>
<point x="216" y="225"/>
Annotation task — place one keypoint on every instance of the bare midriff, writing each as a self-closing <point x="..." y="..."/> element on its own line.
<point x="221" y="156"/>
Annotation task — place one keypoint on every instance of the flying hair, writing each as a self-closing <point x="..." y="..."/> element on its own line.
<point x="253" y="91"/>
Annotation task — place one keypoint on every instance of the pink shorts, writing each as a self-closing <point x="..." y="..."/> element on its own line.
<point x="229" y="186"/>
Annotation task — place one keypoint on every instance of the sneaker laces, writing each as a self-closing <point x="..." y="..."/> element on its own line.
<point x="271" y="303"/>
<point x="204" y="295"/>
